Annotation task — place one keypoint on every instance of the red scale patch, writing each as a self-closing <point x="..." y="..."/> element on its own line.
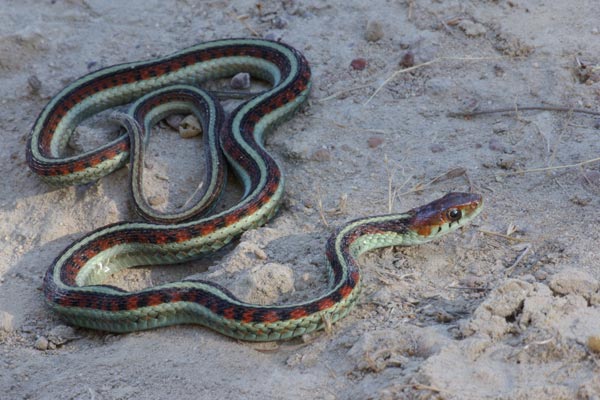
<point x="345" y="291"/>
<point x="248" y="316"/>
<point x="160" y="238"/>
<point x="182" y="236"/>
<point x="114" y="306"/>
<point x="132" y="303"/>
<point x="298" y="313"/>
<point x="229" y="313"/>
<point x="269" y="317"/>
<point x="154" y="299"/>
<point x="175" y="297"/>
<point x="208" y="228"/>
<point x="325" y="304"/>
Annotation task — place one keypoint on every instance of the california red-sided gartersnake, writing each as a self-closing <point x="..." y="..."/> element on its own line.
<point x="73" y="284"/>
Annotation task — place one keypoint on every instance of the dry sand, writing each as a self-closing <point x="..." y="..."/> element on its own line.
<point x="509" y="308"/>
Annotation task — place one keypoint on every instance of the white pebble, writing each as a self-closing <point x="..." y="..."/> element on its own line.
<point x="6" y="321"/>
<point x="374" y="31"/>
<point x="190" y="127"/>
<point x="41" y="343"/>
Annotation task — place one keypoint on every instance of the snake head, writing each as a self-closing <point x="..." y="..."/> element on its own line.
<point x="445" y="214"/>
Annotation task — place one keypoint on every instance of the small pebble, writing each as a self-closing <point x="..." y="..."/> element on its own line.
<point x="358" y="64"/>
<point x="594" y="344"/>
<point x="540" y="275"/>
<point x="92" y="65"/>
<point x="156" y="200"/>
<point x="374" y="31"/>
<point x="190" y="127"/>
<point x="321" y="155"/>
<point x="408" y="60"/>
<point x="41" y="343"/>
<point x="61" y="334"/>
<point x="173" y="121"/>
<point x="240" y="81"/>
<point x="34" y="84"/>
<point x="581" y="201"/>
<point x="6" y="321"/>
<point x="496" y="145"/>
<point x="279" y="22"/>
<point x="374" y="141"/>
<point x="472" y="29"/>
<point x="506" y="163"/>
<point x="260" y="254"/>
<point x="436" y="148"/>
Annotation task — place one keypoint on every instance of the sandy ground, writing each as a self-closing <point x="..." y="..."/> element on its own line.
<point x="509" y="308"/>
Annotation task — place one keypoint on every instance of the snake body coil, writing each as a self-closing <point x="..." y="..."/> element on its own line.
<point x="73" y="284"/>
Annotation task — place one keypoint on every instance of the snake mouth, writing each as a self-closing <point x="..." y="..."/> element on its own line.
<point x="445" y="214"/>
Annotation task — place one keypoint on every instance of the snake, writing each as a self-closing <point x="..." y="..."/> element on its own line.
<point x="74" y="285"/>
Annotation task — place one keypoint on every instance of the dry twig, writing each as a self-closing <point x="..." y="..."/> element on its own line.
<point x="517" y="109"/>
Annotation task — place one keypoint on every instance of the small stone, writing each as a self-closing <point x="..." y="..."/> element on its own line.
<point x="260" y="254"/>
<point x="541" y="275"/>
<point x="190" y="127"/>
<point x="436" y="148"/>
<point x="408" y="60"/>
<point x="580" y="201"/>
<point x="374" y="31"/>
<point x="41" y="343"/>
<point x="156" y="200"/>
<point x="593" y="344"/>
<point x="6" y="322"/>
<point x="321" y="155"/>
<point x="279" y="22"/>
<point x="506" y="163"/>
<point x="438" y="85"/>
<point x="240" y="81"/>
<point x="382" y="297"/>
<point x="34" y="84"/>
<point x="62" y="334"/>
<point x="173" y="121"/>
<point x="472" y="29"/>
<point x="496" y="145"/>
<point x="358" y="64"/>
<point x="374" y="141"/>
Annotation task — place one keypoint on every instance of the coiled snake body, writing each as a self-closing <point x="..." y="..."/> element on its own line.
<point x="73" y="284"/>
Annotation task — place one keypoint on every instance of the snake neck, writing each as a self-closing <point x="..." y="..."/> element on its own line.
<point x="366" y="234"/>
<point x="363" y="235"/>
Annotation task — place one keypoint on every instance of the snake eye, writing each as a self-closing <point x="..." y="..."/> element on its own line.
<point x="454" y="214"/>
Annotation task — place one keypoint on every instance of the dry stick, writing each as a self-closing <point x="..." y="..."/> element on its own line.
<point x="525" y="108"/>
<point x="341" y="92"/>
<point x="532" y="108"/>
<point x="320" y="207"/>
<point x="502" y="235"/>
<point x="435" y="60"/>
<point x="241" y="19"/>
<point x="390" y="183"/>
<point x="453" y="173"/>
<point x="510" y="269"/>
<point x="541" y="169"/>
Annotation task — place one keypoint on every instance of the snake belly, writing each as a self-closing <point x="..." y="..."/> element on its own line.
<point x="73" y="286"/>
